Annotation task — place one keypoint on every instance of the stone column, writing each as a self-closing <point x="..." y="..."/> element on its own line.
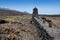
<point x="35" y="13"/>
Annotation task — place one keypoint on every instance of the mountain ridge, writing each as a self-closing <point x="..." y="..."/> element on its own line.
<point x="9" y="12"/>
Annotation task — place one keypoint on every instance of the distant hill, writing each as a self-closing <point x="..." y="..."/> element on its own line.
<point x="58" y="15"/>
<point x="8" y="12"/>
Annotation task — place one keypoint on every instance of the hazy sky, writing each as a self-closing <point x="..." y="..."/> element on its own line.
<point x="44" y="6"/>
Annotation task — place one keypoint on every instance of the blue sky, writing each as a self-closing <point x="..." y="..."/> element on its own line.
<point x="44" y="6"/>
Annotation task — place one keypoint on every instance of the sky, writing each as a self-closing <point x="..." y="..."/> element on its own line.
<point x="44" y="6"/>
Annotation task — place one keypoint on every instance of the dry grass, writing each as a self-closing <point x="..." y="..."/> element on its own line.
<point x="23" y="30"/>
<point x="14" y="18"/>
<point x="55" y="20"/>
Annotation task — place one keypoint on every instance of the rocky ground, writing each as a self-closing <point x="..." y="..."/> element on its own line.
<point x="54" y="31"/>
<point x="20" y="28"/>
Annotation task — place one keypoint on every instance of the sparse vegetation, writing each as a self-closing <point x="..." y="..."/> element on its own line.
<point x="14" y="18"/>
<point x="22" y="27"/>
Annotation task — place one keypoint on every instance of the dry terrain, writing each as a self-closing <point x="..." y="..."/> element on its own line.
<point x="20" y="28"/>
<point x="54" y="31"/>
<point x="55" y="20"/>
<point x="17" y="27"/>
